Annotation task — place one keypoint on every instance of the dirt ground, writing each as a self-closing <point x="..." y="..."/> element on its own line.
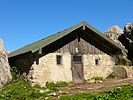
<point x="105" y="85"/>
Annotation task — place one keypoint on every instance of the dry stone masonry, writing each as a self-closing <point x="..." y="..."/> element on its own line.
<point x="41" y="67"/>
<point x="5" y="74"/>
<point x="48" y="71"/>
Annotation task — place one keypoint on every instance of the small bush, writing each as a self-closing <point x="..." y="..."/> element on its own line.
<point x="56" y="86"/>
<point x="111" y="75"/>
<point x="20" y="90"/>
<point x="97" y="78"/>
<point x="122" y="61"/>
<point x="15" y="73"/>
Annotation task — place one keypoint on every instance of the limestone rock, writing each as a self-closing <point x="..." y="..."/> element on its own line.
<point x="128" y="31"/>
<point x="128" y="35"/>
<point x="114" y="33"/>
<point x="91" y="81"/>
<point x="100" y="81"/>
<point x="5" y="74"/>
<point x="128" y="28"/>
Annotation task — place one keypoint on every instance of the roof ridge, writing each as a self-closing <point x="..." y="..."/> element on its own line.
<point x="35" y="46"/>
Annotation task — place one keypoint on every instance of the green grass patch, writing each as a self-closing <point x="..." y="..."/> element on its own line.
<point x="97" y="78"/>
<point x="57" y="85"/>
<point x="20" y="90"/>
<point x="121" y="93"/>
<point x="111" y="75"/>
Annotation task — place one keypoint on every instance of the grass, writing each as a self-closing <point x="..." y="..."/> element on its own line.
<point x="97" y="78"/>
<point x="121" y="93"/>
<point x="20" y="90"/>
<point x="56" y="86"/>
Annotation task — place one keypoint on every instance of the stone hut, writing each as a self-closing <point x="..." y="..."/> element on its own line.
<point x="75" y="54"/>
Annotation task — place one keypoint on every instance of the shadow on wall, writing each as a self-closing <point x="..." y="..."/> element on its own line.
<point x="25" y="61"/>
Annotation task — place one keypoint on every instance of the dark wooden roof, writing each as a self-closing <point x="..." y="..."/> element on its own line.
<point x="46" y="41"/>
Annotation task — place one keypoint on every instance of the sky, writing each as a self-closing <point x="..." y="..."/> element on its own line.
<point x="23" y="22"/>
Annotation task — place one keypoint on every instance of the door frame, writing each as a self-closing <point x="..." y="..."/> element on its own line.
<point x="73" y="67"/>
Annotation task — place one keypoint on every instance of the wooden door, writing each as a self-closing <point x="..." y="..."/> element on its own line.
<point x="77" y="68"/>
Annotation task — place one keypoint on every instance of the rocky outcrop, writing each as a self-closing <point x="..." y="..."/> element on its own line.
<point x="114" y="33"/>
<point x="128" y="31"/>
<point x="5" y="74"/>
<point x="123" y="37"/>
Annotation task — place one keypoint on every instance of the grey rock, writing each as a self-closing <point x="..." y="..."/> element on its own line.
<point x="5" y="74"/>
<point x="114" y="33"/>
<point x="128" y="30"/>
<point x="52" y="94"/>
<point x="100" y="81"/>
<point x="42" y="91"/>
<point x="91" y="81"/>
<point x="46" y="98"/>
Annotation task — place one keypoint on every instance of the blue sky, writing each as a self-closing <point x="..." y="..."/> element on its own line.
<point x="25" y="21"/>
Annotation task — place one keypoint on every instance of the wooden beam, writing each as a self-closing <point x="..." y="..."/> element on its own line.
<point x="100" y="42"/>
<point x="40" y="50"/>
<point x="83" y="27"/>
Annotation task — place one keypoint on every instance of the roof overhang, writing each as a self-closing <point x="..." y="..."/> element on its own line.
<point x="46" y="41"/>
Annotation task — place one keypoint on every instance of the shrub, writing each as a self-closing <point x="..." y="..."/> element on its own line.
<point x="119" y="60"/>
<point x="97" y="78"/>
<point x="111" y="75"/>
<point x="15" y="73"/>
<point x="56" y="86"/>
<point x="20" y="90"/>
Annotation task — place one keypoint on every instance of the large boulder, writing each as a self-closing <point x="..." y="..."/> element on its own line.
<point x="5" y="74"/>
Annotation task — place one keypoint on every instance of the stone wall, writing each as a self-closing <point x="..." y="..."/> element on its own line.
<point x="47" y="69"/>
<point x="123" y="71"/>
<point x="103" y="69"/>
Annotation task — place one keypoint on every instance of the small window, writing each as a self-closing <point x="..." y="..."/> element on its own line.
<point x="77" y="58"/>
<point x="59" y="59"/>
<point x="96" y="61"/>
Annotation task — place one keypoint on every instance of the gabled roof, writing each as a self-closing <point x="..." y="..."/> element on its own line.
<point x="46" y="41"/>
